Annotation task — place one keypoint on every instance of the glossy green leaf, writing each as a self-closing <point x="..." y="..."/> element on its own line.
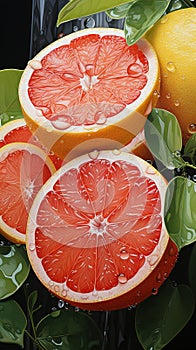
<point x="14" y="269"/>
<point x="160" y="318"/>
<point x="141" y="16"/>
<point x="66" y="329"/>
<point x="9" y="103"/>
<point x="180" y="211"/>
<point x="192" y="269"/>
<point x="81" y="8"/>
<point x="119" y="11"/>
<point x="164" y="138"/>
<point x="32" y="299"/>
<point x="178" y="5"/>
<point x="12" y="322"/>
<point x="190" y="149"/>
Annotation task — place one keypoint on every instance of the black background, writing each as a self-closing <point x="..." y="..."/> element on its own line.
<point x="15" y="24"/>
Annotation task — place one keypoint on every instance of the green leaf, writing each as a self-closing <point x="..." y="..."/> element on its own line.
<point x="14" y="269"/>
<point x="192" y="269"/>
<point x="12" y="323"/>
<point x="32" y="299"/>
<point x="119" y="11"/>
<point x="81" y="8"/>
<point x="190" y="149"/>
<point x="180" y="211"/>
<point x="164" y="138"/>
<point x="9" y="103"/>
<point x="66" y="329"/>
<point x="160" y="318"/>
<point x="141" y="16"/>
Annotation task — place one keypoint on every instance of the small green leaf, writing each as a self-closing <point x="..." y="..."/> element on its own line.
<point x="160" y="318"/>
<point x="9" y="103"/>
<point x="81" y="8"/>
<point x="66" y="329"/>
<point x="32" y="299"/>
<point x="190" y="149"/>
<point x="192" y="269"/>
<point x="119" y="11"/>
<point x="180" y="211"/>
<point x="141" y="16"/>
<point x="12" y="323"/>
<point x="164" y="138"/>
<point x="14" y="269"/>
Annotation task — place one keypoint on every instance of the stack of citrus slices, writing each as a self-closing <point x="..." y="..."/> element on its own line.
<point x="94" y="228"/>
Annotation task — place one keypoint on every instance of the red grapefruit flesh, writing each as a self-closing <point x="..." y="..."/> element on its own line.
<point x="96" y="235"/>
<point x="89" y="86"/>
<point x="23" y="170"/>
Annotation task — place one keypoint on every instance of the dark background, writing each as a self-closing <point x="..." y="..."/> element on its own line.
<point x="15" y="28"/>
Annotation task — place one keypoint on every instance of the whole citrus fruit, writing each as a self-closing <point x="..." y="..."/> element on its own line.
<point x="96" y="235"/>
<point x="174" y="40"/>
<point x="89" y="90"/>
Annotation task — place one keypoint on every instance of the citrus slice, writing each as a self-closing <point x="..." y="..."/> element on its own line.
<point x="89" y="88"/>
<point x="96" y="235"/>
<point x="18" y="131"/>
<point x="23" y="170"/>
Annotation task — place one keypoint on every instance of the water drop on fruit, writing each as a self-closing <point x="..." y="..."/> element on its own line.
<point x="152" y="260"/>
<point x="95" y="293"/>
<point x="159" y="277"/>
<point x="191" y="128"/>
<point x="116" y="151"/>
<point x="94" y="154"/>
<point x="31" y="247"/>
<point x="154" y="291"/>
<point x="60" y="122"/>
<point x="64" y="293"/>
<point x="122" y="278"/>
<point x="177" y="103"/>
<point x="168" y="96"/>
<point x="56" y="288"/>
<point x="60" y="304"/>
<point x="171" y="67"/>
<point x="89" y="69"/>
<point x="150" y="170"/>
<point x="134" y="70"/>
<point x="124" y="255"/>
<point x="165" y="275"/>
<point x="100" y="118"/>
<point x="89" y="22"/>
<point x="35" y="64"/>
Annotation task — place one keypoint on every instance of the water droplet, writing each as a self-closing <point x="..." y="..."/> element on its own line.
<point x="139" y="293"/>
<point x="174" y="284"/>
<point x="134" y="70"/>
<point x="124" y="255"/>
<point x="95" y="293"/>
<point x="164" y="19"/>
<point x="183" y="77"/>
<point x="155" y="291"/>
<point x="75" y="28"/>
<point x="100" y="118"/>
<point x="150" y="170"/>
<point x="55" y="313"/>
<point x="89" y="69"/>
<point x="191" y="128"/>
<point x="116" y="151"/>
<point x="94" y="154"/>
<point x="89" y="22"/>
<point x="64" y="293"/>
<point x="35" y="64"/>
<point x="60" y="35"/>
<point x="76" y="309"/>
<point x="60" y="122"/>
<point x="168" y="95"/>
<point x="31" y="247"/>
<point x="152" y="260"/>
<point x="177" y="103"/>
<point x="165" y="275"/>
<point x="171" y="67"/>
<point x="155" y="92"/>
<point x="84" y="297"/>
<point x="171" y="251"/>
<point x="56" y="288"/>
<point x="60" y="304"/>
<point x="189" y="235"/>
<point x="194" y="177"/>
<point x="159" y="277"/>
<point x="122" y="278"/>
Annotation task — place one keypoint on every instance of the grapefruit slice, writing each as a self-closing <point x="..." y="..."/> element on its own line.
<point x="96" y="235"/>
<point x="18" y="131"/>
<point x="23" y="170"/>
<point x="89" y="89"/>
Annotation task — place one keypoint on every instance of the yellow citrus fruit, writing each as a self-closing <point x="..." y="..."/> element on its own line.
<point x="89" y="90"/>
<point x="174" y="40"/>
